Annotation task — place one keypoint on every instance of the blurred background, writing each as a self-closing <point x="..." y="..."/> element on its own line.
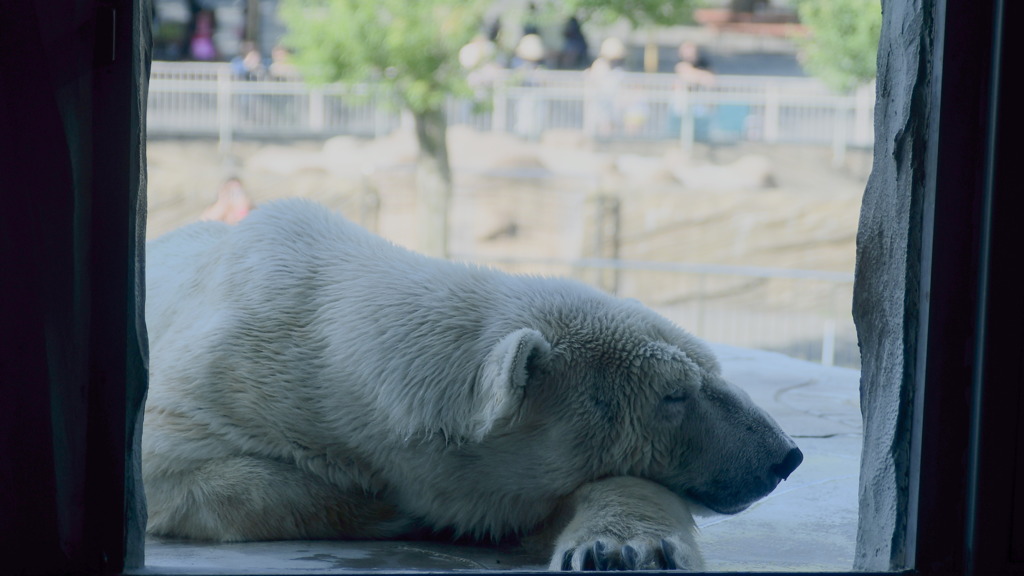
<point x="705" y="157"/>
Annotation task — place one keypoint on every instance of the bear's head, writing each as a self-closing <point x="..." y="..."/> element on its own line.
<point x="619" y="390"/>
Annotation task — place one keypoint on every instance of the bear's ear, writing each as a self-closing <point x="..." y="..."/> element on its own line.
<point x="662" y="351"/>
<point x="503" y="379"/>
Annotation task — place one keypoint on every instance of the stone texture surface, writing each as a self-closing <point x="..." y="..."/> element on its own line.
<point x="886" y="291"/>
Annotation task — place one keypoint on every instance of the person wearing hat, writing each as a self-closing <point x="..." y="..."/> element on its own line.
<point x="613" y="51"/>
<point x="603" y="79"/>
<point x="529" y="52"/>
<point x="529" y="111"/>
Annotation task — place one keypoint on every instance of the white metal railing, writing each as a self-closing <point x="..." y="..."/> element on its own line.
<point x="207" y="99"/>
<point x="805" y="314"/>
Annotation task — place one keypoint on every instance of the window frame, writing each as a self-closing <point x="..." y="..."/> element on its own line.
<point x="961" y="516"/>
<point x="966" y="341"/>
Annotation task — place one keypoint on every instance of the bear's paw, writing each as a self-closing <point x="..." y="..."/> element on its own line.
<point x="668" y="553"/>
<point x="625" y="523"/>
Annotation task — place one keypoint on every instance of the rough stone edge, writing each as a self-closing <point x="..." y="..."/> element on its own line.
<point x="885" y="301"/>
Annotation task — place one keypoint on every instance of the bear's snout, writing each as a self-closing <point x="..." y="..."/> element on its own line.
<point x="793" y="459"/>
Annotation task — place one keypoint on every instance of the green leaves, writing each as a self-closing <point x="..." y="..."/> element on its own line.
<point x="411" y="44"/>
<point x="843" y="42"/>
<point x="637" y="12"/>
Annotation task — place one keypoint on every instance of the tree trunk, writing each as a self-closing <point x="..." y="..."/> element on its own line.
<point x="433" y="182"/>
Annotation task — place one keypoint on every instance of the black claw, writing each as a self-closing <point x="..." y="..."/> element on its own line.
<point x="600" y="556"/>
<point x="589" y="560"/>
<point x="567" y="561"/>
<point x="669" y="551"/>
<point x="629" y="557"/>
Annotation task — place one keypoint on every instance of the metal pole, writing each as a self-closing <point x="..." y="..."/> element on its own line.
<point x="316" y="110"/>
<point x="828" y="343"/>
<point x="839" y="133"/>
<point x="224" y="110"/>
<point x="499" y="112"/>
<point x="771" y="113"/>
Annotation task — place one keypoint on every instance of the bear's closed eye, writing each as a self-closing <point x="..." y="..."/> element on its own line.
<point x="676" y="397"/>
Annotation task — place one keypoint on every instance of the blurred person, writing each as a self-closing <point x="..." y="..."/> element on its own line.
<point x="281" y="67"/>
<point x="529" y="53"/>
<point x="691" y="72"/>
<point x="692" y="66"/>
<point x="479" y="52"/>
<point x="201" y="45"/>
<point x="530" y="21"/>
<point x="232" y="205"/>
<point x="479" y="59"/>
<point x="575" y="54"/>
<point x="253" y="61"/>
<point x="530" y="117"/>
<point x="494" y="31"/>
<point x="603" y="80"/>
<point x="248" y="65"/>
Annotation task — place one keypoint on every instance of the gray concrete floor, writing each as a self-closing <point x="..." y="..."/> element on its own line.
<point x="808" y="524"/>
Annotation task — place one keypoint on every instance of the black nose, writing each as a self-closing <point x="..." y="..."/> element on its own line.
<point x="793" y="459"/>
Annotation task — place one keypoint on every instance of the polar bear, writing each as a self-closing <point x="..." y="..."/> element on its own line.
<point x="310" y="380"/>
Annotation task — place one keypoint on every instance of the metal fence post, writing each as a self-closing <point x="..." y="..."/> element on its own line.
<point x="839" y="133"/>
<point x="316" y="109"/>
<point x="369" y="202"/>
<point x="702" y="281"/>
<point x="224" y="110"/>
<point x="686" y="124"/>
<point x="499" y="111"/>
<point x="386" y="114"/>
<point x="828" y="343"/>
<point x="589" y="112"/>
<point x="607" y="237"/>
<point x="771" y="113"/>
<point x="863" y="123"/>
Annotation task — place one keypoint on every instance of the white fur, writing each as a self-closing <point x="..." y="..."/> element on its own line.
<point x="311" y="380"/>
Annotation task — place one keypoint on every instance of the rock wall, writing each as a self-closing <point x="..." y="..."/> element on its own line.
<point x="885" y="301"/>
